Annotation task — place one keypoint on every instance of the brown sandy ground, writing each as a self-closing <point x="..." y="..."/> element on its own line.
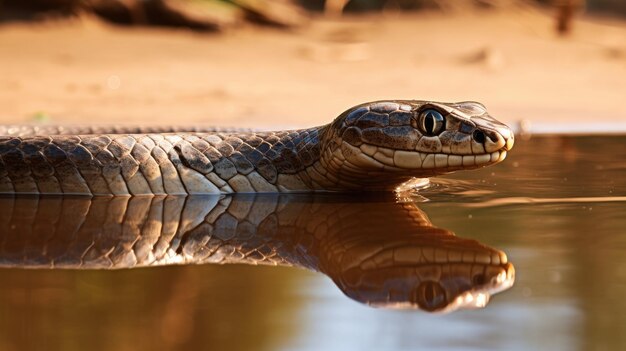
<point x="85" y="71"/>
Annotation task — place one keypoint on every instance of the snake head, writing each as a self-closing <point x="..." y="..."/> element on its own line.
<point x="414" y="139"/>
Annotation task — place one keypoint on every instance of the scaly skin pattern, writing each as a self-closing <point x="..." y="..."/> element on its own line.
<point x="376" y="251"/>
<point x="374" y="146"/>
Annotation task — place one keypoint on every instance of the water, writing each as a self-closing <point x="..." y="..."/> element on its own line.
<point x="555" y="207"/>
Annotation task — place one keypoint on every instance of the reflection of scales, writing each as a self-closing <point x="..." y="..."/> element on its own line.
<point x="377" y="251"/>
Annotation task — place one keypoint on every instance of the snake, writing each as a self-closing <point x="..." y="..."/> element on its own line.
<point x="416" y="265"/>
<point x="370" y="147"/>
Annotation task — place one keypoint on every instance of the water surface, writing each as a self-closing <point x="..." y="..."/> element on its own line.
<point x="555" y="207"/>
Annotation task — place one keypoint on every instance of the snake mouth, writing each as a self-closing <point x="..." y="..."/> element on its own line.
<point x="404" y="159"/>
<point x="509" y="143"/>
<point x="479" y="296"/>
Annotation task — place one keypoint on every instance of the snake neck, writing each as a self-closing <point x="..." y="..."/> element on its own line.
<point x="338" y="166"/>
<point x="316" y="162"/>
<point x="305" y="160"/>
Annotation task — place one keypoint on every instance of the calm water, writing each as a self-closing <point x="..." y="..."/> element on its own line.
<point x="555" y="207"/>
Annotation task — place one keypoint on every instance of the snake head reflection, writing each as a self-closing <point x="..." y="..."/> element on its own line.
<point x="431" y="270"/>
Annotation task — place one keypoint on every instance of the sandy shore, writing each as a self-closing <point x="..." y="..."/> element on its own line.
<point x="86" y="71"/>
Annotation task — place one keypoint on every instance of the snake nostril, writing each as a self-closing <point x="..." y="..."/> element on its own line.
<point x="479" y="136"/>
<point x="491" y="136"/>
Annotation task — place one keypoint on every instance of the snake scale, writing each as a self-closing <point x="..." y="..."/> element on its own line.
<point x="373" y="146"/>
<point x="348" y="238"/>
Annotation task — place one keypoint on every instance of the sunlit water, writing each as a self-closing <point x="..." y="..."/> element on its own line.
<point x="555" y="207"/>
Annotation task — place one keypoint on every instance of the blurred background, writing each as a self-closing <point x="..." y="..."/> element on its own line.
<point x="540" y="65"/>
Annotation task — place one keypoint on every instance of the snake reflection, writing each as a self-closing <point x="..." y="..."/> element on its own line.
<point x="376" y="250"/>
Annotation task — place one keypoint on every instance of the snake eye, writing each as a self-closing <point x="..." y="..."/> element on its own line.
<point x="430" y="296"/>
<point x="431" y="122"/>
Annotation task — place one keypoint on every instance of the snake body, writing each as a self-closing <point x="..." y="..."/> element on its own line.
<point x="372" y="146"/>
<point x="348" y="238"/>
